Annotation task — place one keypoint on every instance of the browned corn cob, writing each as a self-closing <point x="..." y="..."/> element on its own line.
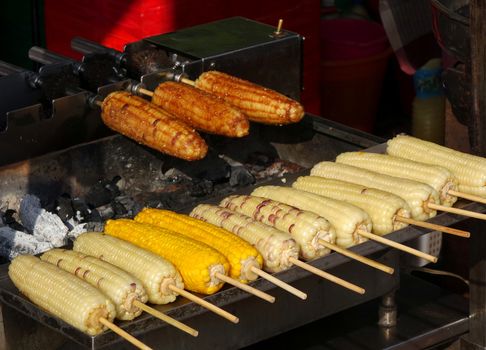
<point x="260" y="104"/>
<point x="148" y="124"/>
<point x="201" y="110"/>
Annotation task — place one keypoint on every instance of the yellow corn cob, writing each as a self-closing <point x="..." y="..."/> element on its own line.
<point x="150" y="125"/>
<point x="121" y="287"/>
<point x="62" y="294"/>
<point x="156" y="273"/>
<point x="439" y="178"/>
<point x="240" y="254"/>
<point x="470" y="170"/>
<point x="381" y="206"/>
<point x="305" y="227"/>
<point x="260" y="104"/>
<point x="275" y="246"/>
<point x="201" y="110"/>
<point x="416" y="194"/>
<point x="197" y="262"/>
<point x="346" y="218"/>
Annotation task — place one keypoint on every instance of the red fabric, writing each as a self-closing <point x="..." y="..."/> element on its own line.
<point x="115" y="23"/>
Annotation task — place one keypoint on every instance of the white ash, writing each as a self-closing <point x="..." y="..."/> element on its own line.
<point x="77" y="230"/>
<point x="45" y="226"/>
<point x="13" y="243"/>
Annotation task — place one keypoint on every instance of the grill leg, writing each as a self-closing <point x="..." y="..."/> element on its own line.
<point x="387" y="312"/>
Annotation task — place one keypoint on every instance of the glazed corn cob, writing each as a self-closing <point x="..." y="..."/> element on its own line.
<point x="305" y="227"/>
<point x="275" y="246"/>
<point x="260" y="104"/>
<point x="156" y="273"/>
<point x="201" y="110"/>
<point x="346" y="219"/>
<point x="470" y="170"/>
<point x="197" y="262"/>
<point x="381" y="206"/>
<point x="121" y="287"/>
<point x="62" y="294"/>
<point x="416" y="194"/>
<point x="439" y="178"/>
<point x="240" y="254"/>
<point x="148" y="124"/>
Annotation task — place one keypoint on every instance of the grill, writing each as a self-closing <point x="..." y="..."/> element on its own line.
<point x="141" y="177"/>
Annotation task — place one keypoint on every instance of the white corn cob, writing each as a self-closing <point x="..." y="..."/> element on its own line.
<point x="381" y="206"/>
<point x="416" y="194"/>
<point x="346" y="218"/>
<point x="437" y="177"/>
<point x="156" y="273"/>
<point x="470" y="170"/>
<point x="305" y="227"/>
<point x="121" y="287"/>
<point x="62" y="294"/>
<point x="275" y="246"/>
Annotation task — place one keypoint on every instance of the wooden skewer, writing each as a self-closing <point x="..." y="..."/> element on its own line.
<point x="123" y="334"/>
<point x="445" y="229"/>
<point x="279" y="283"/>
<point x="279" y="27"/>
<point x="145" y="92"/>
<point x="205" y="304"/>
<point x="188" y="81"/>
<point x="327" y="276"/>
<point x="165" y="318"/>
<point x="245" y="287"/>
<point x="463" y="212"/>
<point x="357" y="257"/>
<point x="471" y="197"/>
<point x="398" y="246"/>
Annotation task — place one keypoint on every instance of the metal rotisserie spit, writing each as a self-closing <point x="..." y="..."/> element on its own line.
<point x="101" y="177"/>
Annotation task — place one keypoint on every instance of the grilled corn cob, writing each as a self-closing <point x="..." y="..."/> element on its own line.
<point x="260" y="104"/>
<point x="240" y="254"/>
<point x="275" y="246"/>
<point x="201" y="110"/>
<point x="381" y="206"/>
<point x="118" y="285"/>
<point x="416" y="194"/>
<point x="62" y="294"/>
<point x="470" y="170"/>
<point x="305" y="227"/>
<point x="197" y="262"/>
<point x="156" y="273"/>
<point x="439" y="178"/>
<point x="346" y="219"/>
<point x="148" y="124"/>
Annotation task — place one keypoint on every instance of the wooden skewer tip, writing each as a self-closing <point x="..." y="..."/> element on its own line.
<point x="128" y="337"/>
<point x="245" y="287"/>
<point x="285" y="286"/>
<point x="435" y="227"/>
<point x="467" y="196"/>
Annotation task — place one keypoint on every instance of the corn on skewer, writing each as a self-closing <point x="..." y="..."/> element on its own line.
<point x="244" y="259"/>
<point x="160" y="278"/>
<point x="331" y="210"/>
<point x="439" y="178"/>
<point x="278" y="249"/>
<point x="388" y="212"/>
<point x="124" y="290"/>
<point x="344" y="217"/>
<point x="416" y="194"/>
<point x="470" y="170"/>
<point x="467" y="195"/>
<point x="203" y="268"/>
<point x="306" y="228"/>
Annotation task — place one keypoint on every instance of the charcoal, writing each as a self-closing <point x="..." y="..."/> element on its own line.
<point x="103" y="192"/>
<point x="11" y="221"/>
<point x="84" y="212"/>
<point x="95" y="226"/>
<point x="45" y="226"/>
<point x="119" y="209"/>
<point x="240" y="176"/>
<point x="64" y="208"/>
<point x="128" y="206"/>
<point x="106" y="212"/>
<point x="201" y="188"/>
<point x="77" y="230"/>
<point x="260" y="159"/>
<point x="211" y="168"/>
<point x="13" y="243"/>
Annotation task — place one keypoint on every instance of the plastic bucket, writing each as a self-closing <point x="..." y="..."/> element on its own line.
<point x="354" y="55"/>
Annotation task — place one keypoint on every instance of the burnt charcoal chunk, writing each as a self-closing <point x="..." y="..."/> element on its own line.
<point x="9" y="220"/>
<point x="240" y="176"/>
<point x="64" y="208"/>
<point x="95" y="227"/>
<point x="260" y="159"/>
<point x="201" y="188"/>
<point x="211" y="168"/>
<point x="119" y="209"/>
<point x="83" y="212"/>
<point x="103" y="192"/>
